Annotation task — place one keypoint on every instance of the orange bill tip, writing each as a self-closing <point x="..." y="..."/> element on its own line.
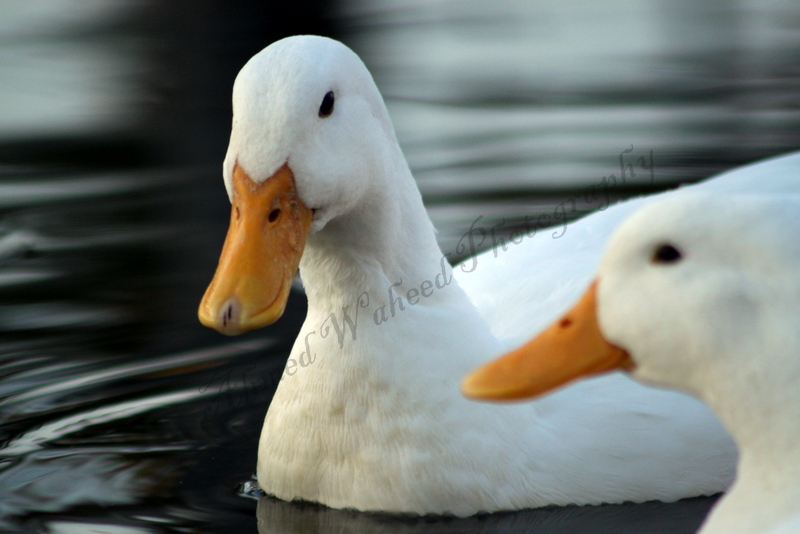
<point x="266" y="237"/>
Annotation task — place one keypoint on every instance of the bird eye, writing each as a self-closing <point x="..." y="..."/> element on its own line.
<point x="666" y="254"/>
<point x="326" y="108"/>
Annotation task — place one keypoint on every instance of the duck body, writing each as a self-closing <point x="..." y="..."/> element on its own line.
<point x="379" y="425"/>
<point x="368" y="414"/>
<point x="790" y="526"/>
<point x="701" y="291"/>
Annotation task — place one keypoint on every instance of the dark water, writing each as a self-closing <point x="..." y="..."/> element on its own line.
<point x="119" y="413"/>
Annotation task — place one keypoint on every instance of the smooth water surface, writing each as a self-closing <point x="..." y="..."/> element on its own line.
<point x="119" y="413"/>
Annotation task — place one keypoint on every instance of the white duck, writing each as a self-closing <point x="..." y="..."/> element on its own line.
<point x="367" y="415"/>
<point x="699" y="292"/>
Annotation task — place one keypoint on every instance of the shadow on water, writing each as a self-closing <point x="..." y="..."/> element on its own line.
<point x="279" y="517"/>
<point x="118" y="411"/>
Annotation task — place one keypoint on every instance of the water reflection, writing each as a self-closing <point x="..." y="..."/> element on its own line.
<point x="539" y="97"/>
<point x="74" y="69"/>
<point x="81" y="433"/>
<point x="118" y="412"/>
<point x="57" y="480"/>
<point x="279" y="517"/>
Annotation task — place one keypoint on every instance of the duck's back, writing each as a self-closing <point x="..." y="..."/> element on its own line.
<point x="520" y="288"/>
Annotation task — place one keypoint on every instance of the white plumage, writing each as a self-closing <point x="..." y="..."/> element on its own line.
<point x="371" y="417"/>
<point x="723" y="323"/>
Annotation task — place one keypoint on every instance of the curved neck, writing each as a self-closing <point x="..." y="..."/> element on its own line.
<point x="760" y="407"/>
<point x="387" y="239"/>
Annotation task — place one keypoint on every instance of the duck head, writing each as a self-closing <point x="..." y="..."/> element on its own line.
<point x="309" y="128"/>
<point x="686" y="295"/>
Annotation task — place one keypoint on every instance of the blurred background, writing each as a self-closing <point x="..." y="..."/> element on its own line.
<point x="118" y="411"/>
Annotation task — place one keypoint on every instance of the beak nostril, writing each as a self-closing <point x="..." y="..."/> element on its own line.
<point x="274" y="214"/>
<point x="229" y="317"/>
<point x="566" y="322"/>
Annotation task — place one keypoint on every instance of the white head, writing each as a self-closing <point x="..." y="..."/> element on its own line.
<point x="311" y="141"/>
<point x="279" y="117"/>
<point x="699" y="292"/>
<point x="703" y="290"/>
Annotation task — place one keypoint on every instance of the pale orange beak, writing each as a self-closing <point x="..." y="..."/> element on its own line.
<point x="571" y="348"/>
<point x="267" y="234"/>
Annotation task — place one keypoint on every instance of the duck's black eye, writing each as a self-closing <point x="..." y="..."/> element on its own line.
<point x="326" y="108"/>
<point x="666" y="254"/>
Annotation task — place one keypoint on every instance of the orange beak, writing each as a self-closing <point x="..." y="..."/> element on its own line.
<point x="571" y="348"/>
<point x="267" y="234"/>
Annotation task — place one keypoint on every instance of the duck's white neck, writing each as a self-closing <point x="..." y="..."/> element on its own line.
<point x="767" y="431"/>
<point x="762" y="414"/>
<point x="761" y="408"/>
<point x="387" y="239"/>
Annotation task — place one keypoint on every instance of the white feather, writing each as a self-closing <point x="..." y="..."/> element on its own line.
<point x="722" y="323"/>
<point x="376" y="421"/>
